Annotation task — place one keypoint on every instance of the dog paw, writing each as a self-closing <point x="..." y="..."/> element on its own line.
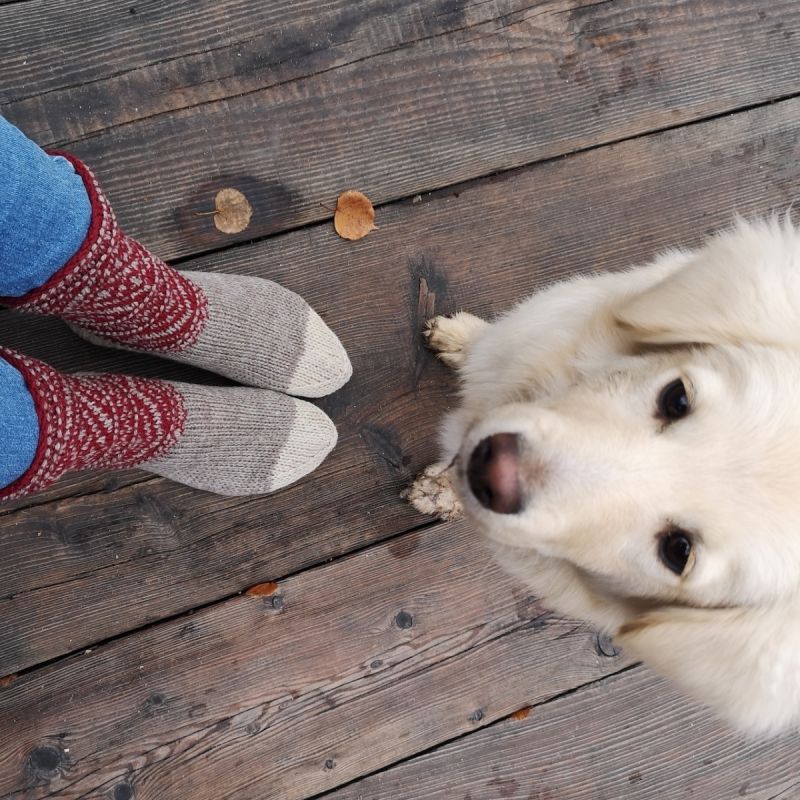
<point x="450" y="337"/>
<point x="433" y="493"/>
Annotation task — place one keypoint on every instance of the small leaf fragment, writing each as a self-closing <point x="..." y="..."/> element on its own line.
<point x="354" y="217"/>
<point x="7" y="681"/>
<point x="262" y="589"/>
<point x="232" y="211"/>
<point x="521" y="714"/>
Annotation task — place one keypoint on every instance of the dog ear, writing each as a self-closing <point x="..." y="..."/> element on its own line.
<point x="743" y="286"/>
<point x="743" y="663"/>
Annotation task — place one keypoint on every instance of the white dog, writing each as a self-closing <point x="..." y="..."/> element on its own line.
<point x="630" y="442"/>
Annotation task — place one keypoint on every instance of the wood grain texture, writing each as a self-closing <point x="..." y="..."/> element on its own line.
<point x="429" y="96"/>
<point x="629" y="736"/>
<point x="333" y="672"/>
<point x="169" y="56"/>
<point x="480" y="247"/>
<point x="342" y="670"/>
<point x="283" y="695"/>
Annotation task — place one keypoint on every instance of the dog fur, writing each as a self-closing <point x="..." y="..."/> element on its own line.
<point x="576" y="371"/>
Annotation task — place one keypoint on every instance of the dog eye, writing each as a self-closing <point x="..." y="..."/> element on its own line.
<point x="673" y="402"/>
<point x="674" y="549"/>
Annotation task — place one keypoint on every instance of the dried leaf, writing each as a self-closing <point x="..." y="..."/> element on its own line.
<point x="232" y="211"/>
<point x="354" y="217"/>
<point x="262" y="589"/>
<point x="521" y="714"/>
<point x="7" y="681"/>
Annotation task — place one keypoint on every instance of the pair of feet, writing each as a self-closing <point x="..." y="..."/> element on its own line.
<point x="232" y="441"/>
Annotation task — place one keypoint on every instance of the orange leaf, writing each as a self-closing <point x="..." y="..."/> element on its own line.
<point x="232" y="212"/>
<point x="262" y="589"/>
<point x="354" y="217"/>
<point x="7" y="681"/>
<point x="521" y="714"/>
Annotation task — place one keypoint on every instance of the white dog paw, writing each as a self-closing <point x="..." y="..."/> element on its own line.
<point x="433" y="493"/>
<point x="451" y="337"/>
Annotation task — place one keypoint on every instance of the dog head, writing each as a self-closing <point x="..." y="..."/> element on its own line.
<point x="663" y="483"/>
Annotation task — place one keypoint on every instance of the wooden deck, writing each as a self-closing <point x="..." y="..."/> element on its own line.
<point x="506" y="143"/>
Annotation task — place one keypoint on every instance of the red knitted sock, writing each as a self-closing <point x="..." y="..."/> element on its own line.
<point x="114" y="288"/>
<point x="229" y="440"/>
<point x="116" y="293"/>
<point x="94" y="421"/>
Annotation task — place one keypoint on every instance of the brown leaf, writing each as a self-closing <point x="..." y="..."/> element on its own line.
<point x="354" y="217"/>
<point x="7" y="681"/>
<point x="521" y="714"/>
<point x="232" y="211"/>
<point x="262" y="589"/>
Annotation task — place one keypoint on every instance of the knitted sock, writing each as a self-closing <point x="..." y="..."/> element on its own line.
<point x="232" y="441"/>
<point x="116" y="293"/>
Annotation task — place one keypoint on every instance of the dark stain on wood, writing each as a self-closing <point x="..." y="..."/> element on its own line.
<point x="157" y="510"/>
<point x="44" y="763"/>
<point x="404" y="546"/>
<point x="505" y="787"/>
<point x="428" y="284"/>
<point x="123" y="791"/>
<point x="276" y="603"/>
<point x="541" y="621"/>
<point x="453" y="12"/>
<point x="384" y="446"/>
<point x="528" y="608"/>
<point x="150" y="10"/>
<point x="156" y="703"/>
<point x="404" y="620"/>
<point x="571" y="68"/>
<point x="222" y="726"/>
<point x="616" y="41"/>
<point x="604" y="646"/>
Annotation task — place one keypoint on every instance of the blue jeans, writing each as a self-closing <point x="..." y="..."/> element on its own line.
<point x="44" y="218"/>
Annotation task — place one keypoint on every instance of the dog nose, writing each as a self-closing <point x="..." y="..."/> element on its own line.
<point x="493" y="473"/>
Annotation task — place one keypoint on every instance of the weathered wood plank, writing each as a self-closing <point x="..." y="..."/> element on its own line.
<point x="628" y="736"/>
<point x="283" y="695"/>
<point x="78" y="483"/>
<point x="450" y="99"/>
<point x="169" y="56"/>
<point x="168" y="549"/>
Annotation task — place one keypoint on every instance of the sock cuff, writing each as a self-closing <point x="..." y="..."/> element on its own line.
<point x="115" y="289"/>
<point x="88" y="422"/>
<point x="35" y="476"/>
<point x="102" y="226"/>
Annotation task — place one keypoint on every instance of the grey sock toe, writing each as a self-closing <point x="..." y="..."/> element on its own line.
<point x="261" y="334"/>
<point x="240" y="441"/>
